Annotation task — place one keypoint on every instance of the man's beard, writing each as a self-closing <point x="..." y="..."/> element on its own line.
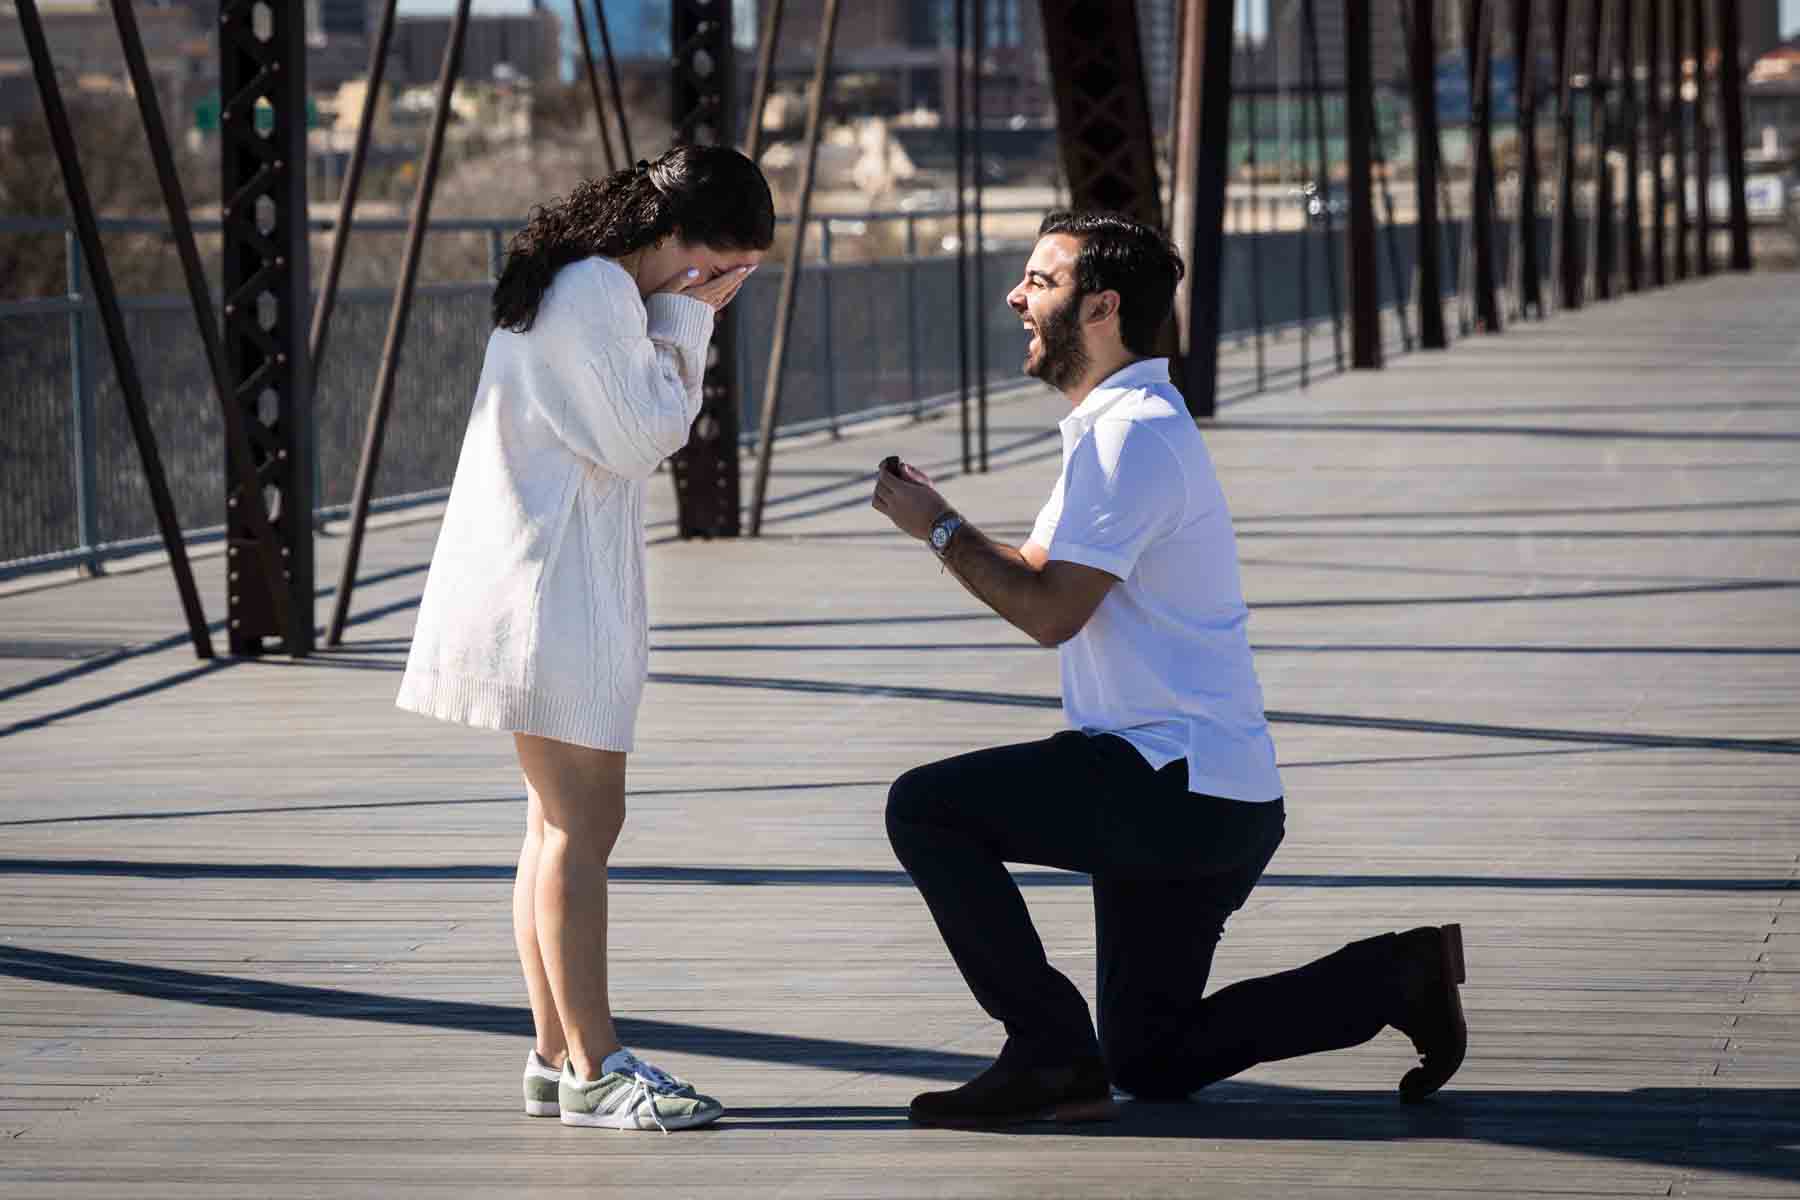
<point x="1061" y="360"/>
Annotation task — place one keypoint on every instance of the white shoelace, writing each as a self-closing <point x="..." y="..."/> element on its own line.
<point x="655" y="1077"/>
<point x="647" y="1082"/>
<point x="642" y="1092"/>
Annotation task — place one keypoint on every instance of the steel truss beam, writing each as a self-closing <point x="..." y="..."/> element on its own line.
<point x="1102" y="107"/>
<point x="705" y="471"/>
<point x="1202" y="142"/>
<point x="87" y="229"/>
<point x="375" y="433"/>
<point x="262" y="162"/>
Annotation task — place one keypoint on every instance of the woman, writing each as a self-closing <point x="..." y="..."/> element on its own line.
<point x="533" y="619"/>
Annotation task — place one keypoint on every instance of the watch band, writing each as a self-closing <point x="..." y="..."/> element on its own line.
<point x="943" y="533"/>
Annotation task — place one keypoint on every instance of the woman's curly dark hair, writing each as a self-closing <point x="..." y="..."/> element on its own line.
<point x="704" y="195"/>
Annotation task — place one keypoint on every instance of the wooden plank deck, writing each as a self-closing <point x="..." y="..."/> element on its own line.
<point x="1528" y="621"/>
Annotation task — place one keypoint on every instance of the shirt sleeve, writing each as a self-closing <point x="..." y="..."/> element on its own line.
<point x="1122" y="489"/>
<point x="1043" y="530"/>
<point x="633" y="400"/>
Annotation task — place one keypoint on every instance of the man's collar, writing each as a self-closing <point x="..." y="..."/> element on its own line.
<point x="1138" y="373"/>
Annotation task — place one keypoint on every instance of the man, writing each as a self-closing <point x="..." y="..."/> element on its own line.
<point x="1164" y="788"/>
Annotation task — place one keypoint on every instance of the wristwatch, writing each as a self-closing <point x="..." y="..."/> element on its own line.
<point x="942" y="530"/>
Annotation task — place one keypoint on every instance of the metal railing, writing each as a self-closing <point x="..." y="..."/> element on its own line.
<point x="873" y="336"/>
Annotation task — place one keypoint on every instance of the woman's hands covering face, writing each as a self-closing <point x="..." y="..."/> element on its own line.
<point x="715" y="289"/>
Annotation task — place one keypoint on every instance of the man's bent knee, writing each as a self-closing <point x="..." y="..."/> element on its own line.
<point x="908" y="799"/>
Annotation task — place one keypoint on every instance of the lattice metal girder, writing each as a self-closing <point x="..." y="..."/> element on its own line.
<point x="262" y="122"/>
<point x="706" y="469"/>
<point x="1102" y="106"/>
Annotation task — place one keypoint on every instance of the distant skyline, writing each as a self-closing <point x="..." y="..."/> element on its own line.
<point x="1790" y="10"/>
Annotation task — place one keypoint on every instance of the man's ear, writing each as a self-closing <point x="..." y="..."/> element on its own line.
<point x="1101" y="306"/>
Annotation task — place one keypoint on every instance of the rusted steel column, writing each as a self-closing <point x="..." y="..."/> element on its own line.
<point x="1481" y="207"/>
<point x="1731" y="111"/>
<point x="1359" y="132"/>
<point x="1422" y="79"/>
<point x="1703" y="263"/>
<point x="1659" y="139"/>
<point x="1678" y="119"/>
<point x="1633" y="135"/>
<point x="1531" y="286"/>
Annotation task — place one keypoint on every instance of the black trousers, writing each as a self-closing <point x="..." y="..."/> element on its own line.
<point x="1168" y="866"/>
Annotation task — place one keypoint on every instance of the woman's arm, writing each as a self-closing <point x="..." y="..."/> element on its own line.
<point x="629" y="402"/>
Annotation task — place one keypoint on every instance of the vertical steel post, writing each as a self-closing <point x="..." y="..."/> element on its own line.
<point x="1255" y="233"/>
<point x="960" y="11"/>
<point x="376" y="431"/>
<point x="244" y="487"/>
<point x="1481" y="206"/>
<point x="1359" y="134"/>
<point x="827" y="312"/>
<point x="977" y="153"/>
<point x="84" y="427"/>
<point x="1202" y="163"/>
<point x="1422" y="79"/>
<point x="1633" y="135"/>
<point x="790" y="278"/>
<point x="346" y="214"/>
<point x="1678" y="118"/>
<point x="912" y="318"/>
<point x="113" y="321"/>
<point x="1659" y="138"/>
<point x="1703" y="260"/>
<point x="1396" y="278"/>
<point x="1731" y="111"/>
<point x="704" y="473"/>
<point x="1568" y="247"/>
<point x="593" y="79"/>
<point x="1604" y="228"/>
<point x="1309" y="15"/>
<point x="1531" y="286"/>
<point x="266" y="275"/>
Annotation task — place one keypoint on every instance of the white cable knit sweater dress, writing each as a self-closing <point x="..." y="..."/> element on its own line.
<point x="533" y="618"/>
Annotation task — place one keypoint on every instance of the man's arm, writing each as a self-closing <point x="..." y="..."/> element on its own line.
<point x="1049" y="601"/>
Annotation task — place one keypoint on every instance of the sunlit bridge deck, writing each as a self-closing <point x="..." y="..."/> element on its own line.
<point x="1528" y="622"/>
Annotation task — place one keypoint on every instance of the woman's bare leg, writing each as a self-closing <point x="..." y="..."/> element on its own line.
<point x="551" y="1043"/>
<point x="581" y="793"/>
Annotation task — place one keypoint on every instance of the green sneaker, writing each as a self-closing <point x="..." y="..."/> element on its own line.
<point x="632" y="1094"/>
<point x="541" y="1082"/>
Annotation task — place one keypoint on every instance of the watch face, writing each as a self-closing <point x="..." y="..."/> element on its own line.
<point x="940" y="536"/>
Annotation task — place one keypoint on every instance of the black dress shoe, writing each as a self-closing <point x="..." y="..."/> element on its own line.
<point x="1011" y="1095"/>
<point x="1430" y="964"/>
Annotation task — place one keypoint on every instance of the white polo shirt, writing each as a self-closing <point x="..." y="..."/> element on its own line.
<point x="1164" y="662"/>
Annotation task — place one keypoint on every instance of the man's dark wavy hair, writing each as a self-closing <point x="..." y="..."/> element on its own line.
<point x="704" y="195"/>
<point x="1125" y="256"/>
